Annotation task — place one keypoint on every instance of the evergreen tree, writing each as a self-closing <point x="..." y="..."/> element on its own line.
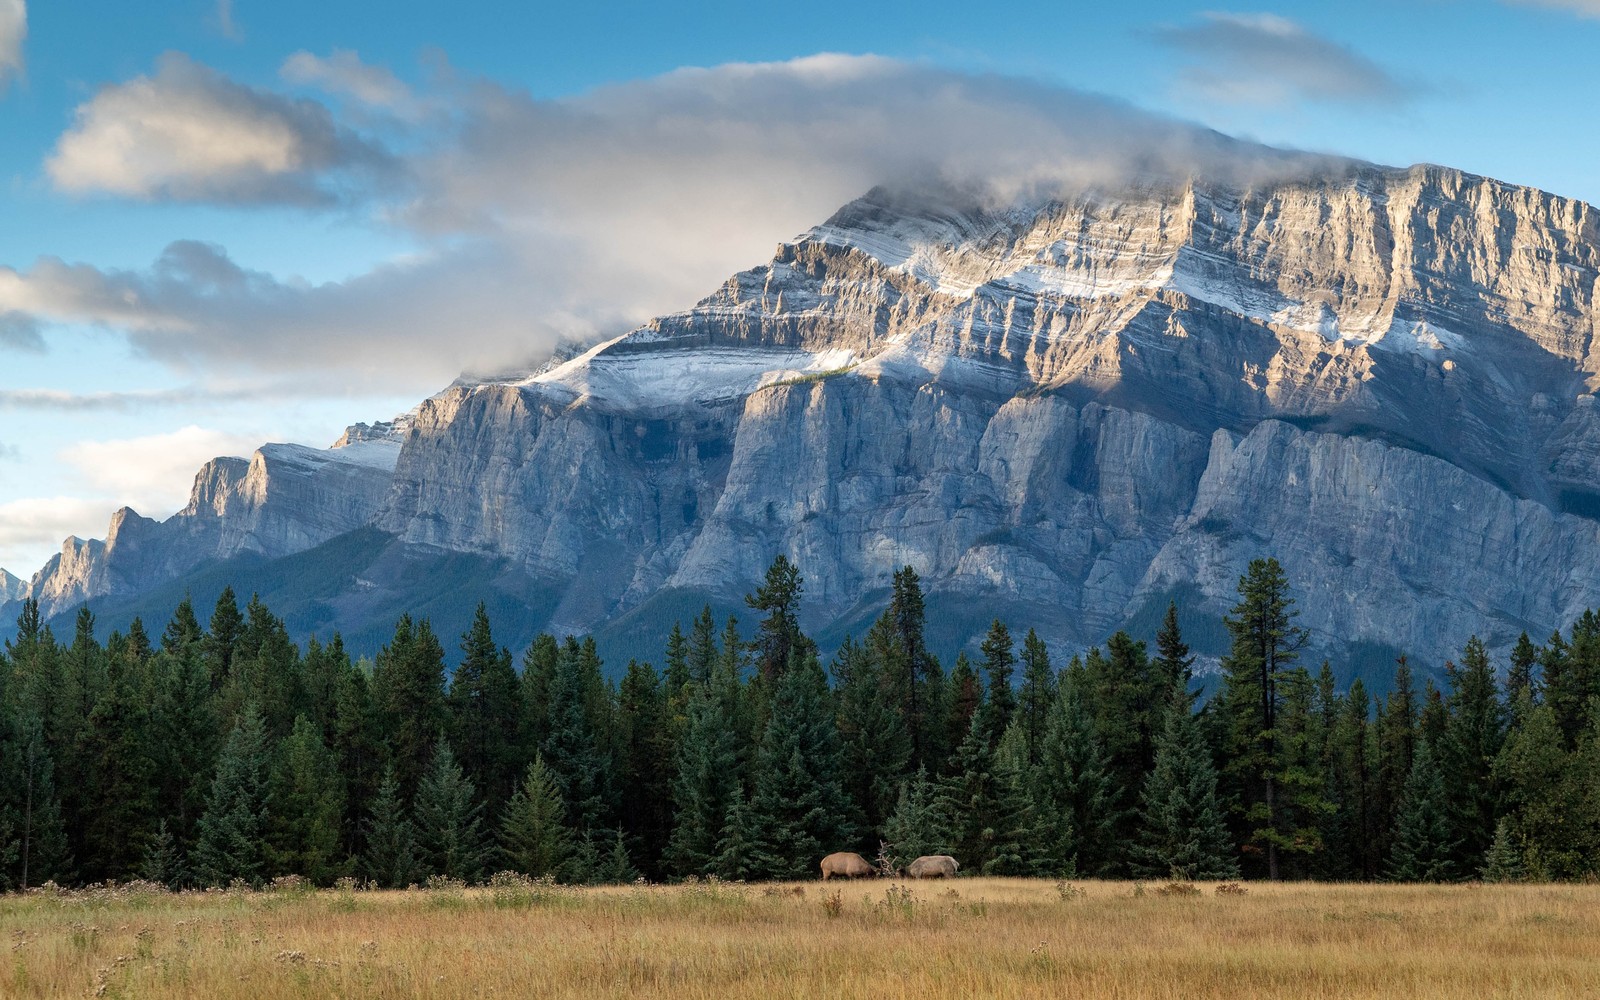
<point x="1540" y="799"/>
<point x="163" y="861"/>
<point x="644" y="742"/>
<point x="966" y="699"/>
<point x="984" y="808"/>
<point x="119" y="747"/>
<point x="1520" y="675"/>
<point x="1424" y="849"/>
<point x="233" y="828"/>
<point x="1396" y="734"/>
<point x="1503" y="861"/>
<point x="449" y="820"/>
<point x="486" y="714"/>
<point x="778" y="638"/>
<point x="408" y="696"/>
<point x="875" y="746"/>
<point x="1174" y="664"/>
<point x="1076" y="801"/>
<point x="1570" y="690"/>
<point x="1474" y="735"/>
<point x="702" y="647"/>
<point x="574" y="750"/>
<point x="1038" y="695"/>
<point x="798" y="809"/>
<point x="1266" y="643"/>
<point x="39" y="830"/>
<point x="1181" y="829"/>
<point x="616" y="868"/>
<point x="708" y="782"/>
<point x="227" y="625"/>
<point x="916" y="827"/>
<point x="391" y="858"/>
<point x="307" y="795"/>
<point x="1000" y="703"/>
<point x="533" y="836"/>
<point x="182" y="634"/>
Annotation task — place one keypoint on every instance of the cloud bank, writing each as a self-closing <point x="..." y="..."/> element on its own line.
<point x="1264" y="59"/>
<point x="188" y="133"/>
<point x="541" y="220"/>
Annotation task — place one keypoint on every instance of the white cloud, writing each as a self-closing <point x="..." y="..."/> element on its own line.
<point x="539" y="219"/>
<point x="1582" y="8"/>
<point x="13" y="32"/>
<point x="188" y="133"/>
<point x="1265" y="59"/>
<point x="152" y="474"/>
<point x="343" y="73"/>
<point x="34" y="527"/>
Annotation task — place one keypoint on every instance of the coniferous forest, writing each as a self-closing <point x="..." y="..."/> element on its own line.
<point x="222" y="751"/>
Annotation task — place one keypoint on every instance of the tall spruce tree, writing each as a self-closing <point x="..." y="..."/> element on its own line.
<point x="1266" y="643"/>
<point x="916" y="827"/>
<point x="233" y="827"/>
<point x="708" y="779"/>
<point x="778" y="637"/>
<point x="1000" y="702"/>
<point x="984" y="811"/>
<point x="486" y="714"/>
<point x="408" y="696"/>
<point x="1078" y="807"/>
<point x="449" y="821"/>
<point x="1038" y="695"/>
<point x="875" y="746"/>
<point x="1424" y="848"/>
<point x="798" y="810"/>
<point x="1181" y="828"/>
<point x="305" y="826"/>
<point x="574" y="751"/>
<point x="1474" y="735"/>
<point x="538" y="671"/>
<point x="391" y="857"/>
<point x="533" y="836"/>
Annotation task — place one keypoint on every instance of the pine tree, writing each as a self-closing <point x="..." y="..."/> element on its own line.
<point x="1473" y="737"/>
<point x="1424" y="849"/>
<point x="875" y="746"/>
<point x="1181" y="829"/>
<point x="643" y="743"/>
<point x="1266" y="643"/>
<point x="538" y="672"/>
<point x="408" y="696"/>
<point x="1540" y="801"/>
<point x="485" y="708"/>
<point x="163" y="862"/>
<point x="778" y="638"/>
<point x="1000" y="703"/>
<point x="616" y="868"/>
<point x="966" y="699"/>
<point x="574" y="750"/>
<point x="1520" y="677"/>
<point x="708" y="780"/>
<point x="449" y="821"/>
<point x="307" y="797"/>
<point x="1038" y="695"/>
<point x="797" y="811"/>
<point x="233" y="828"/>
<point x="182" y="634"/>
<point x="391" y="857"/>
<point x="1174" y="664"/>
<point x="984" y="810"/>
<point x="38" y="826"/>
<point x="533" y="837"/>
<point x="227" y="625"/>
<point x="1076" y="801"/>
<point x="916" y="827"/>
<point x="1503" y="861"/>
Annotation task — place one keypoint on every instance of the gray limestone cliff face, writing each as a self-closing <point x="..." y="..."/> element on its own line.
<point x="284" y="499"/>
<point x="1082" y="406"/>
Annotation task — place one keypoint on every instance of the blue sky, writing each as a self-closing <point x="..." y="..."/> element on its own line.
<point x="234" y="222"/>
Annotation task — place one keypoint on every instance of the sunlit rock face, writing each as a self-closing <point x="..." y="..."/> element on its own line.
<point x="1070" y="408"/>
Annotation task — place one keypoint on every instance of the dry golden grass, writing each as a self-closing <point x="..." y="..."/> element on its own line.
<point x="967" y="938"/>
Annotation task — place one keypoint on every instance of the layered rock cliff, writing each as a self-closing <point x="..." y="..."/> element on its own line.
<point x="1067" y="408"/>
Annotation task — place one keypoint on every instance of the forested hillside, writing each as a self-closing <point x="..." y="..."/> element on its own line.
<point x="226" y="751"/>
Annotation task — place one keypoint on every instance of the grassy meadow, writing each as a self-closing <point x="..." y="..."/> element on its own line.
<point x="966" y="938"/>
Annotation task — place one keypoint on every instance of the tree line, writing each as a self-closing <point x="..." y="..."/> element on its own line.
<point x="227" y="752"/>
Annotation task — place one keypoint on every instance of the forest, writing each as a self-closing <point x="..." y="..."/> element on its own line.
<point x="225" y="753"/>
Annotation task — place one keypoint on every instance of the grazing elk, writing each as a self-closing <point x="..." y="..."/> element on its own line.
<point x="847" y="865"/>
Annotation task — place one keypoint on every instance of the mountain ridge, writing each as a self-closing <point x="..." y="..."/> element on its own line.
<point x="1079" y="403"/>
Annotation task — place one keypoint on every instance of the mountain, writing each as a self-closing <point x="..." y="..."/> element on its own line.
<point x="1064" y="411"/>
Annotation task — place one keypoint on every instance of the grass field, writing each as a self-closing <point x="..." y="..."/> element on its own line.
<point x="967" y="938"/>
